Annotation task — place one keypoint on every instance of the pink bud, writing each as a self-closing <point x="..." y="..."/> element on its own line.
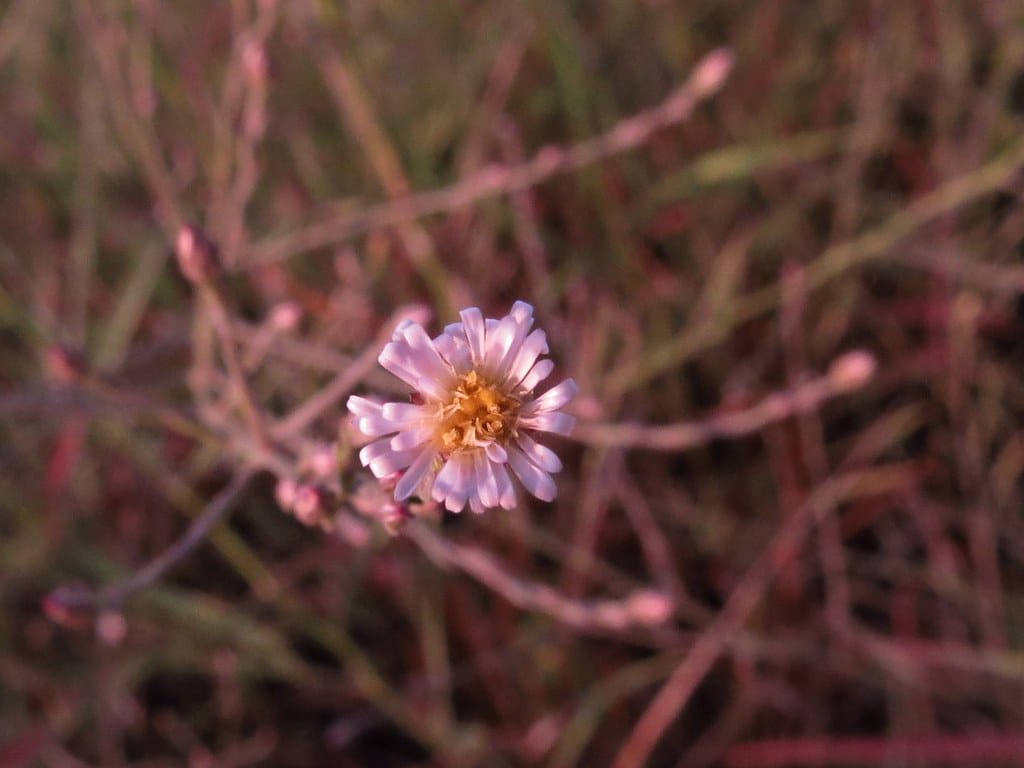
<point x="197" y="255"/>
<point x="712" y="71"/>
<point x="323" y="462"/>
<point x="285" y="316"/>
<point x="285" y="493"/>
<point x="852" y="370"/>
<point x="649" y="608"/>
<point x="111" y="627"/>
<point x="308" y="505"/>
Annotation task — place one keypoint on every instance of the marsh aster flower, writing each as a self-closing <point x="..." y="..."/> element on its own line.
<point x="474" y="412"/>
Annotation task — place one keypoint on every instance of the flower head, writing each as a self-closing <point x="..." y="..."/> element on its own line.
<point x="473" y="415"/>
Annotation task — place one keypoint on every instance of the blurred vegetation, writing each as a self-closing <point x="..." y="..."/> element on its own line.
<point x="854" y="185"/>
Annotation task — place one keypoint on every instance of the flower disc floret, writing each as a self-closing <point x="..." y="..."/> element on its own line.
<point x="477" y="413"/>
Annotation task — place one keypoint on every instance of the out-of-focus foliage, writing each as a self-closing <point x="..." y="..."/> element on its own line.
<point x="855" y="184"/>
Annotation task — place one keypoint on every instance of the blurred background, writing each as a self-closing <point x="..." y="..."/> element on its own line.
<point x="761" y="554"/>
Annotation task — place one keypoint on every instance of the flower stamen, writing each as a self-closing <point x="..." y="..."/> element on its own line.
<point x="478" y="413"/>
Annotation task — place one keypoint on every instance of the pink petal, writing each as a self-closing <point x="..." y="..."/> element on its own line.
<point x="553" y="399"/>
<point x="476" y="504"/>
<point x="499" y="343"/>
<point x="539" y="454"/>
<point x="486" y="482"/>
<point x="557" y="422"/>
<point x="389" y="463"/>
<point x="402" y="361"/>
<point x="532" y="347"/>
<point x="406" y="413"/>
<point x="475" y="328"/>
<point x="411" y="437"/>
<point x="495" y="452"/>
<point x="452" y="484"/>
<point x="454" y="348"/>
<point x="537" y="374"/>
<point x="375" y="426"/>
<point x="399" y="333"/>
<point x="506" y="491"/>
<point x="360" y="406"/>
<point x="521" y="317"/>
<point x="415" y="474"/>
<point x="373" y="450"/>
<point x="535" y="480"/>
<point x="428" y="360"/>
<point x="523" y="313"/>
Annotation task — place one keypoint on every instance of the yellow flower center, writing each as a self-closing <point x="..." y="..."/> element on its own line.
<point x="477" y="413"/>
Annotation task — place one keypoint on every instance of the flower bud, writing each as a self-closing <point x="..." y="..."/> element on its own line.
<point x="285" y="316"/>
<point x="712" y="71"/>
<point x="310" y="504"/>
<point x="65" y="365"/>
<point x="111" y="628"/>
<point x="852" y="371"/>
<point x="284" y="493"/>
<point x="197" y="255"/>
<point x="650" y="608"/>
<point x="323" y="462"/>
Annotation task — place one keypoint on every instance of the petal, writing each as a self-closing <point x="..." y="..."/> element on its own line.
<point x="495" y="452"/>
<point x="537" y="374"/>
<point x="404" y="362"/>
<point x="522" y="317"/>
<point x="486" y="482"/>
<point x="539" y="454"/>
<point x="475" y="328"/>
<point x="523" y="313"/>
<point x="506" y="491"/>
<point x="454" y="482"/>
<point x="416" y="474"/>
<point x="476" y="504"/>
<point x="389" y="463"/>
<point x="553" y="399"/>
<point x="455" y="350"/>
<point x="499" y="343"/>
<point x="532" y="347"/>
<point x="428" y="360"/>
<point x="375" y="426"/>
<point x="360" y="406"/>
<point x="406" y="413"/>
<point x="411" y="437"/>
<point x="552" y="421"/>
<point x="399" y="333"/>
<point x="535" y="480"/>
<point x="373" y="450"/>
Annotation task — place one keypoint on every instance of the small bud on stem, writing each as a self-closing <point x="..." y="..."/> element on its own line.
<point x="197" y="255"/>
<point x="65" y="365"/>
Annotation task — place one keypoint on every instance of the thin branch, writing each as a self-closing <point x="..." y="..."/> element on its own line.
<point x="135" y="132"/>
<point x="985" y="747"/>
<point x="71" y="597"/>
<point x="358" y="112"/>
<point x="834" y="261"/>
<point x="346" y="380"/>
<point x="707" y="79"/>
<point x="641" y="609"/>
<point x="714" y="641"/>
<point x="848" y="373"/>
<point x="223" y="328"/>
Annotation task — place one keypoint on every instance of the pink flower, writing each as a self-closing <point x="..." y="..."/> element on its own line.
<point x="475" y="414"/>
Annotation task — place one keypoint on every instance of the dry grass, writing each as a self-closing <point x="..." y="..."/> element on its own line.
<point x="777" y="244"/>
